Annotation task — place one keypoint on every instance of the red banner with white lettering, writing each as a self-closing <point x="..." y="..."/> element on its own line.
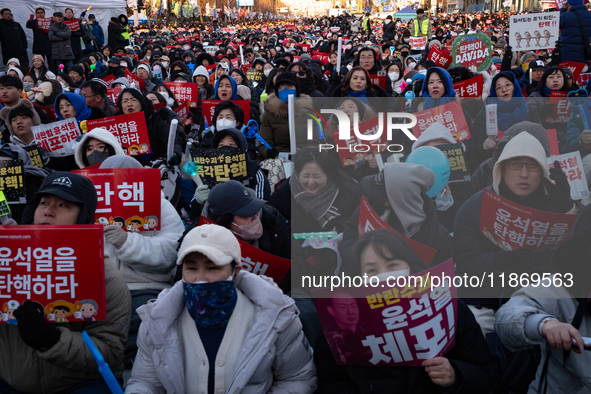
<point x="450" y="115"/>
<point x="208" y="107"/>
<point x="575" y="67"/>
<point x="61" y="268"/>
<point x="185" y="92"/>
<point x="130" y="130"/>
<point x="379" y="79"/>
<point x="134" y="80"/>
<point x="470" y="87"/>
<point x="113" y="94"/>
<point x="43" y="24"/>
<point x="182" y="111"/>
<point x="439" y="58"/>
<point x="347" y="148"/>
<point x="323" y="57"/>
<point x="128" y="197"/>
<point x="73" y="24"/>
<point x="418" y="42"/>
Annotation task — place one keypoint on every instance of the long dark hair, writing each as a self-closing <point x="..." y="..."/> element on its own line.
<point x="346" y="85"/>
<point x="245" y="80"/>
<point x="312" y="155"/>
<point x="42" y="72"/>
<point x="549" y="71"/>
<point x="146" y="104"/>
<point x="270" y="86"/>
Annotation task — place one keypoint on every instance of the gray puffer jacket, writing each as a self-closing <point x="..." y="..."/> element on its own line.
<point x="273" y="358"/>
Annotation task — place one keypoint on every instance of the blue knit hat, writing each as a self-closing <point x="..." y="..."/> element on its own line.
<point x="575" y="2"/>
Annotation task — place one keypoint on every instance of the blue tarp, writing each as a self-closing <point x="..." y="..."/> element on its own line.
<point x="406" y="13"/>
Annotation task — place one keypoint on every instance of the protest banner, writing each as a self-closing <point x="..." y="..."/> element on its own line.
<point x="235" y="63"/>
<point x="254" y="75"/>
<point x="346" y="148"/>
<point x="583" y="79"/>
<point x="573" y="169"/>
<point x="229" y="30"/>
<point x="575" y="67"/>
<point x="134" y="80"/>
<point x="418" y="42"/>
<point x="470" y="87"/>
<point x="208" y="107"/>
<point x="257" y="261"/>
<point x="43" y="24"/>
<point x="215" y="165"/>
<point x="185" y="92"/>
<point x="369" y="220"/>
<point x="450" y="115"/>
<point x="128" y="197"/>
<point x="511" y="226"/>
<point x="49" y="111"/>
<point x="109" y="79"/>
<point x="58" y="138"/>
<point x="130" y="130"/>
<point x="62" y="270"/>
<point x="12" y="181"/>
<point x="404" y="325"/>
<point x="182" y="111"/>
<point x="335" y="29"/>
<point x="323" y="57"/>
<point x="379" y="79"/>
<point x="560" y="111"/>
<point x="553" y="138"/>
<point x="73" y="24"/>
<point x="439" y="58"/>
<point x="35" y="155"/>
<point x="533" y="31"/>
<point x="264" y="29"/>
<point x="113" y="94"/>
<point x="305" y="48"/>
<point x="457" y="162"/>
<point x="472" y="50"/>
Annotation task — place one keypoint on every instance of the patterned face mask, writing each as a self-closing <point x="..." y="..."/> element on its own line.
<point x="211" y="304"/>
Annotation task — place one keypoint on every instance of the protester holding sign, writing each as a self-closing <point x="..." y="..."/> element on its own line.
<point x="369" y="59"/>
<point x="215" y="305"/>
<point x="40" y="26"/>
<point x="64" y="199"/>
<point x="467" y="367"/>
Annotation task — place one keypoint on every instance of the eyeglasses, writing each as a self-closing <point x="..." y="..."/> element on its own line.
<point x="130" y="101"/>
<point x="516" y="165"/>
<point x="504" y="87"/>
<point x="92" y="95"/>
<point x="300" y="73"/>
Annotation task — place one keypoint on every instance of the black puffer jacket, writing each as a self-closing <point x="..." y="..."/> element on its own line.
<point x="388" y="30"/>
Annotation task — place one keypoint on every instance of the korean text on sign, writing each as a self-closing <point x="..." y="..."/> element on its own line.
<point x="185" y="92"/>
<point x="57" y="138"/>
<point x="35" y="155"/>
<point x="511" y="226"/>
<point x="12" y="181"/>
<point x="62" y="271"/>
<point x="457" y="162"/>
<point x="402" y="325"/>
<point x="130" y="130"/>
<point x="215" y="166"/>
<point x="128" y="197"/>
<point x="470" y="88"/>
<point x="572" y="166"/>
<point x="450" y="115"/>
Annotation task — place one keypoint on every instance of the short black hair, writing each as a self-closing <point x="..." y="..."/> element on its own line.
<point x="136" y="221"/>
<point x="62" y="308"/>
<point x="4" y="10"/>
<point x="9" y="80"/>
<point x="236" y="110"/>
<point x="120" y="220"/>
<point x="247" y="51"/>
<point x="19" y="110"/>
<point x="66" y="78"/>
<point x="96" y="87"/>
<point x="69" y="9"/>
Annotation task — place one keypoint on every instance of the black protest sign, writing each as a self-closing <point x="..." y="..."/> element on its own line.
<point x="220" y="165"/>
<point x="457" y="162"/>
<point x="12" y="181"/>
<point x="35" y="154"/>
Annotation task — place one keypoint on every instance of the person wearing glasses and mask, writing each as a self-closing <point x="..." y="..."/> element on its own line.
<point x="41" y="43"/>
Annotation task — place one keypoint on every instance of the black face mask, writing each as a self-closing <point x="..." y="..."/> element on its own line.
<point x="113" y="70"/>
<point x="97" y="157"/>
<point x="404" y="54"/>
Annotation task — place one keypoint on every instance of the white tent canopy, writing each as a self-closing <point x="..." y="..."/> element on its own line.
<point x="102" y="9"/>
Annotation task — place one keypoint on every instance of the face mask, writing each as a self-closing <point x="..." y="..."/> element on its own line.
<point x="349" y="46"/>
<point x="285" y="93"/>
<point x="211" y="304"/>
<point x="256" y="49"/>
<point x="252" y="231"/>
<point x="392" y="274"/>
<point x="349" y="67"/>
<point x="27" y="86"/>
<point x="63" y="86"/>
<point x="407" y="40"/>
<point x="83" y="22"/>
<point x="186" y="47"/>
<point x="97" y="157"/>
<point x="165" y="64"/>
<point x="148" y="57"/>
<point x="278" y="49"/>
<point x="393" y="76"/>
<point x="165" y="95"/>
<point x="123" y="64"/>
<point x="39" y="97"/>
<point x="404" y="54"/>
<point x="267" y="72"/>
<point x="444" y="201"/>
<point x="223" y="124"/>
<point x="412" y="65"/>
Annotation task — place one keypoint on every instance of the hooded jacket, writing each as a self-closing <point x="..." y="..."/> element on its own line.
<point x="114" y="31"/>
<point x="204" y="56"/>
<point x="273" y="356"/>
<point x="83" y="112"/>
<point x="101" y="135"/>
<point x="449" y="89"/>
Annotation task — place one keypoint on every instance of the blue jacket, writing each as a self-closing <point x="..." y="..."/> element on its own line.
<point x="97" y="32"/>
<point x="570" y="34"/>
<point x="573" y="131"/>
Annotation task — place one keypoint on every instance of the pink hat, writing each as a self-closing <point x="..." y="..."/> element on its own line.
<point x="38" y="57"/>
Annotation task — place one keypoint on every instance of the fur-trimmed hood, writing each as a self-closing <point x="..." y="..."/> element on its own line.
<point x="278" y="107"/>
<point x="22" y="103"/>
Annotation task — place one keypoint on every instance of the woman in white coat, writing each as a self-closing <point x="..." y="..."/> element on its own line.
<point x="220" y="329"/>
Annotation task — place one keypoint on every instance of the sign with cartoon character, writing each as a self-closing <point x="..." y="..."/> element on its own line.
<point x="130" y="130"/>
<point x="534" y="31"/>
<point x="472" y="50"/>
<point x="128" y="197"/>
<point x="63" y="271"/>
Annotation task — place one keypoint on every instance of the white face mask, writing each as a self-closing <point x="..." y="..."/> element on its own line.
<point x="27" y="86"/>
<point x="123" y="64"/>
<point x="223" y="124"/>
<point x="186" y="47"/>
<point x="256" y="49"/>
<point x="407" y="40"/>
<point x="278" y="49"/>
<point x="267" y="72"/>
<point x="39" y="97"/>
<point x="148" y="57"/>
<point x="349" y="46"/>
<point x="165" y="64"/>
<point x="444" y="201"/>
<point x="349" y="67"/>
<point x="165" y="95"/>
<point x="393" y="76"/>
<point x="393" y="274"/>
<point x="412" y="65"/>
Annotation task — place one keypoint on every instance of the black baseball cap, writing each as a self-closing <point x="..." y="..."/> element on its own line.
<point x="233" y="197"/>
<point x="58" y="13"/>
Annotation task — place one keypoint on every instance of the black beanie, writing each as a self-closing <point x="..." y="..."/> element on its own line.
<point x="287" y="77"/>
<point x="78" y="69"/>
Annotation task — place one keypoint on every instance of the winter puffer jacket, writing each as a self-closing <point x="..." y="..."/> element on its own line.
<point x="60" y="35"/>
<point x="570" y="33"/>
<point x="272" y="354"/>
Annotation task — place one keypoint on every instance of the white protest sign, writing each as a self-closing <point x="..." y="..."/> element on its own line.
<point x="533" y="31"/>
<point x="572" y="166"/>
<point x="211" y="49"/>
<point x="418" y="42"/>
<point x="58" y="139"/>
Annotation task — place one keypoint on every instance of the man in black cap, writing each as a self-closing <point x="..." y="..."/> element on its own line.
<point x="61" y="48"/>
<point x="41" y="43"/>
<point x="77" y="75"/>
<point x="537" y="67"/>
<point x="114" y="68"/>
<point x="58" y="350"/>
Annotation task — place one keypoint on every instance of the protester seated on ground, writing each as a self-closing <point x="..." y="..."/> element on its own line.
<point x="306" y="76"/>
<point x="58" y="349"/>
<point x="407" y="209"/>
<point x="551" y="316"/>
<point x="236" y="339"/>
<point x="10" y="94"/>
<point x="158" y="123"/>
<point x="120" y="83"/>
<point x="96" y="146"/>
<point x="395" y="72"/>
<point x="95" y="93"/>
<point x="70" y="105"/>
<point x="145" y="259"/>
<point x="19" y="120"/>
<point x="201" y="77"/>
<point x="241" y="79"/>
<point x="468" y="367"/>
<point x="358" y="84"/>
<point x="144" y="72"/>
<point x="65" y="82"/>
<point x="16" y="72"/>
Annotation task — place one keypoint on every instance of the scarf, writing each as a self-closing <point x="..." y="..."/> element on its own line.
<point x="211" y="304"/>
<point x="510" y="113"/>
<point x="362" y="95"/>
<point x="318" y="205"/>
<point x="536" y="200"/>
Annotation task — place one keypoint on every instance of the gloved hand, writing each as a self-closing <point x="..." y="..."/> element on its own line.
<point x="512" y="261"/>
<point x="201" y="194"/>
<point x="585" y="138"/>
<point x="174" y="160"/>
<point x="560" y="192"/>
<point x="335" y="78"/>
<point x="272" y="153"/>
<point x="83" y="14"/>
<point x="509" y="51"/>
<point x="35" y="331"/>
<point x="557" y="48"/>
<point x="115" y="235"/>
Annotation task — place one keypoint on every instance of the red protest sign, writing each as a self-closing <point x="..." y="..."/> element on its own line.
<point x="62" y="267"/>
<point x="347" y="148"/>
<point x="185" y="92"/>
<point x="369" y="221"/>
<point x="208" y="107"/>
<point x="553" y="138"/>
<point x="264" y="29"/>
<point x="575" y="67"/>
<point x="323" y="57"/>
<point x="583" y="79"/>
<point x="134" y="80"/>
<point x="73" y="24"/>
<point x="418" y="42"/>
<point x="439" y="58"/>
<point x="245" y="67"/>
<point x="127" y="194"/>
<point x="130" y="130"/>
<point x="259" y="262"/>
<point x="49" y="111"/>
<point x="44" y="23"/>
<point x="58" y="138"/>
<point x="470" y="87"/>
<point x="379" y="80"/>
<point x="561" y="109"/>
<point x="109" y="79"/>
<point x="113" y="94"/>
<point x="450" y="115"/>
<point x="305" y="48"/>
<point x="235" y="63"/>
<point x="182" y="111"/>
<point x="511" y="226"/>
<point x="404" y="323"/>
